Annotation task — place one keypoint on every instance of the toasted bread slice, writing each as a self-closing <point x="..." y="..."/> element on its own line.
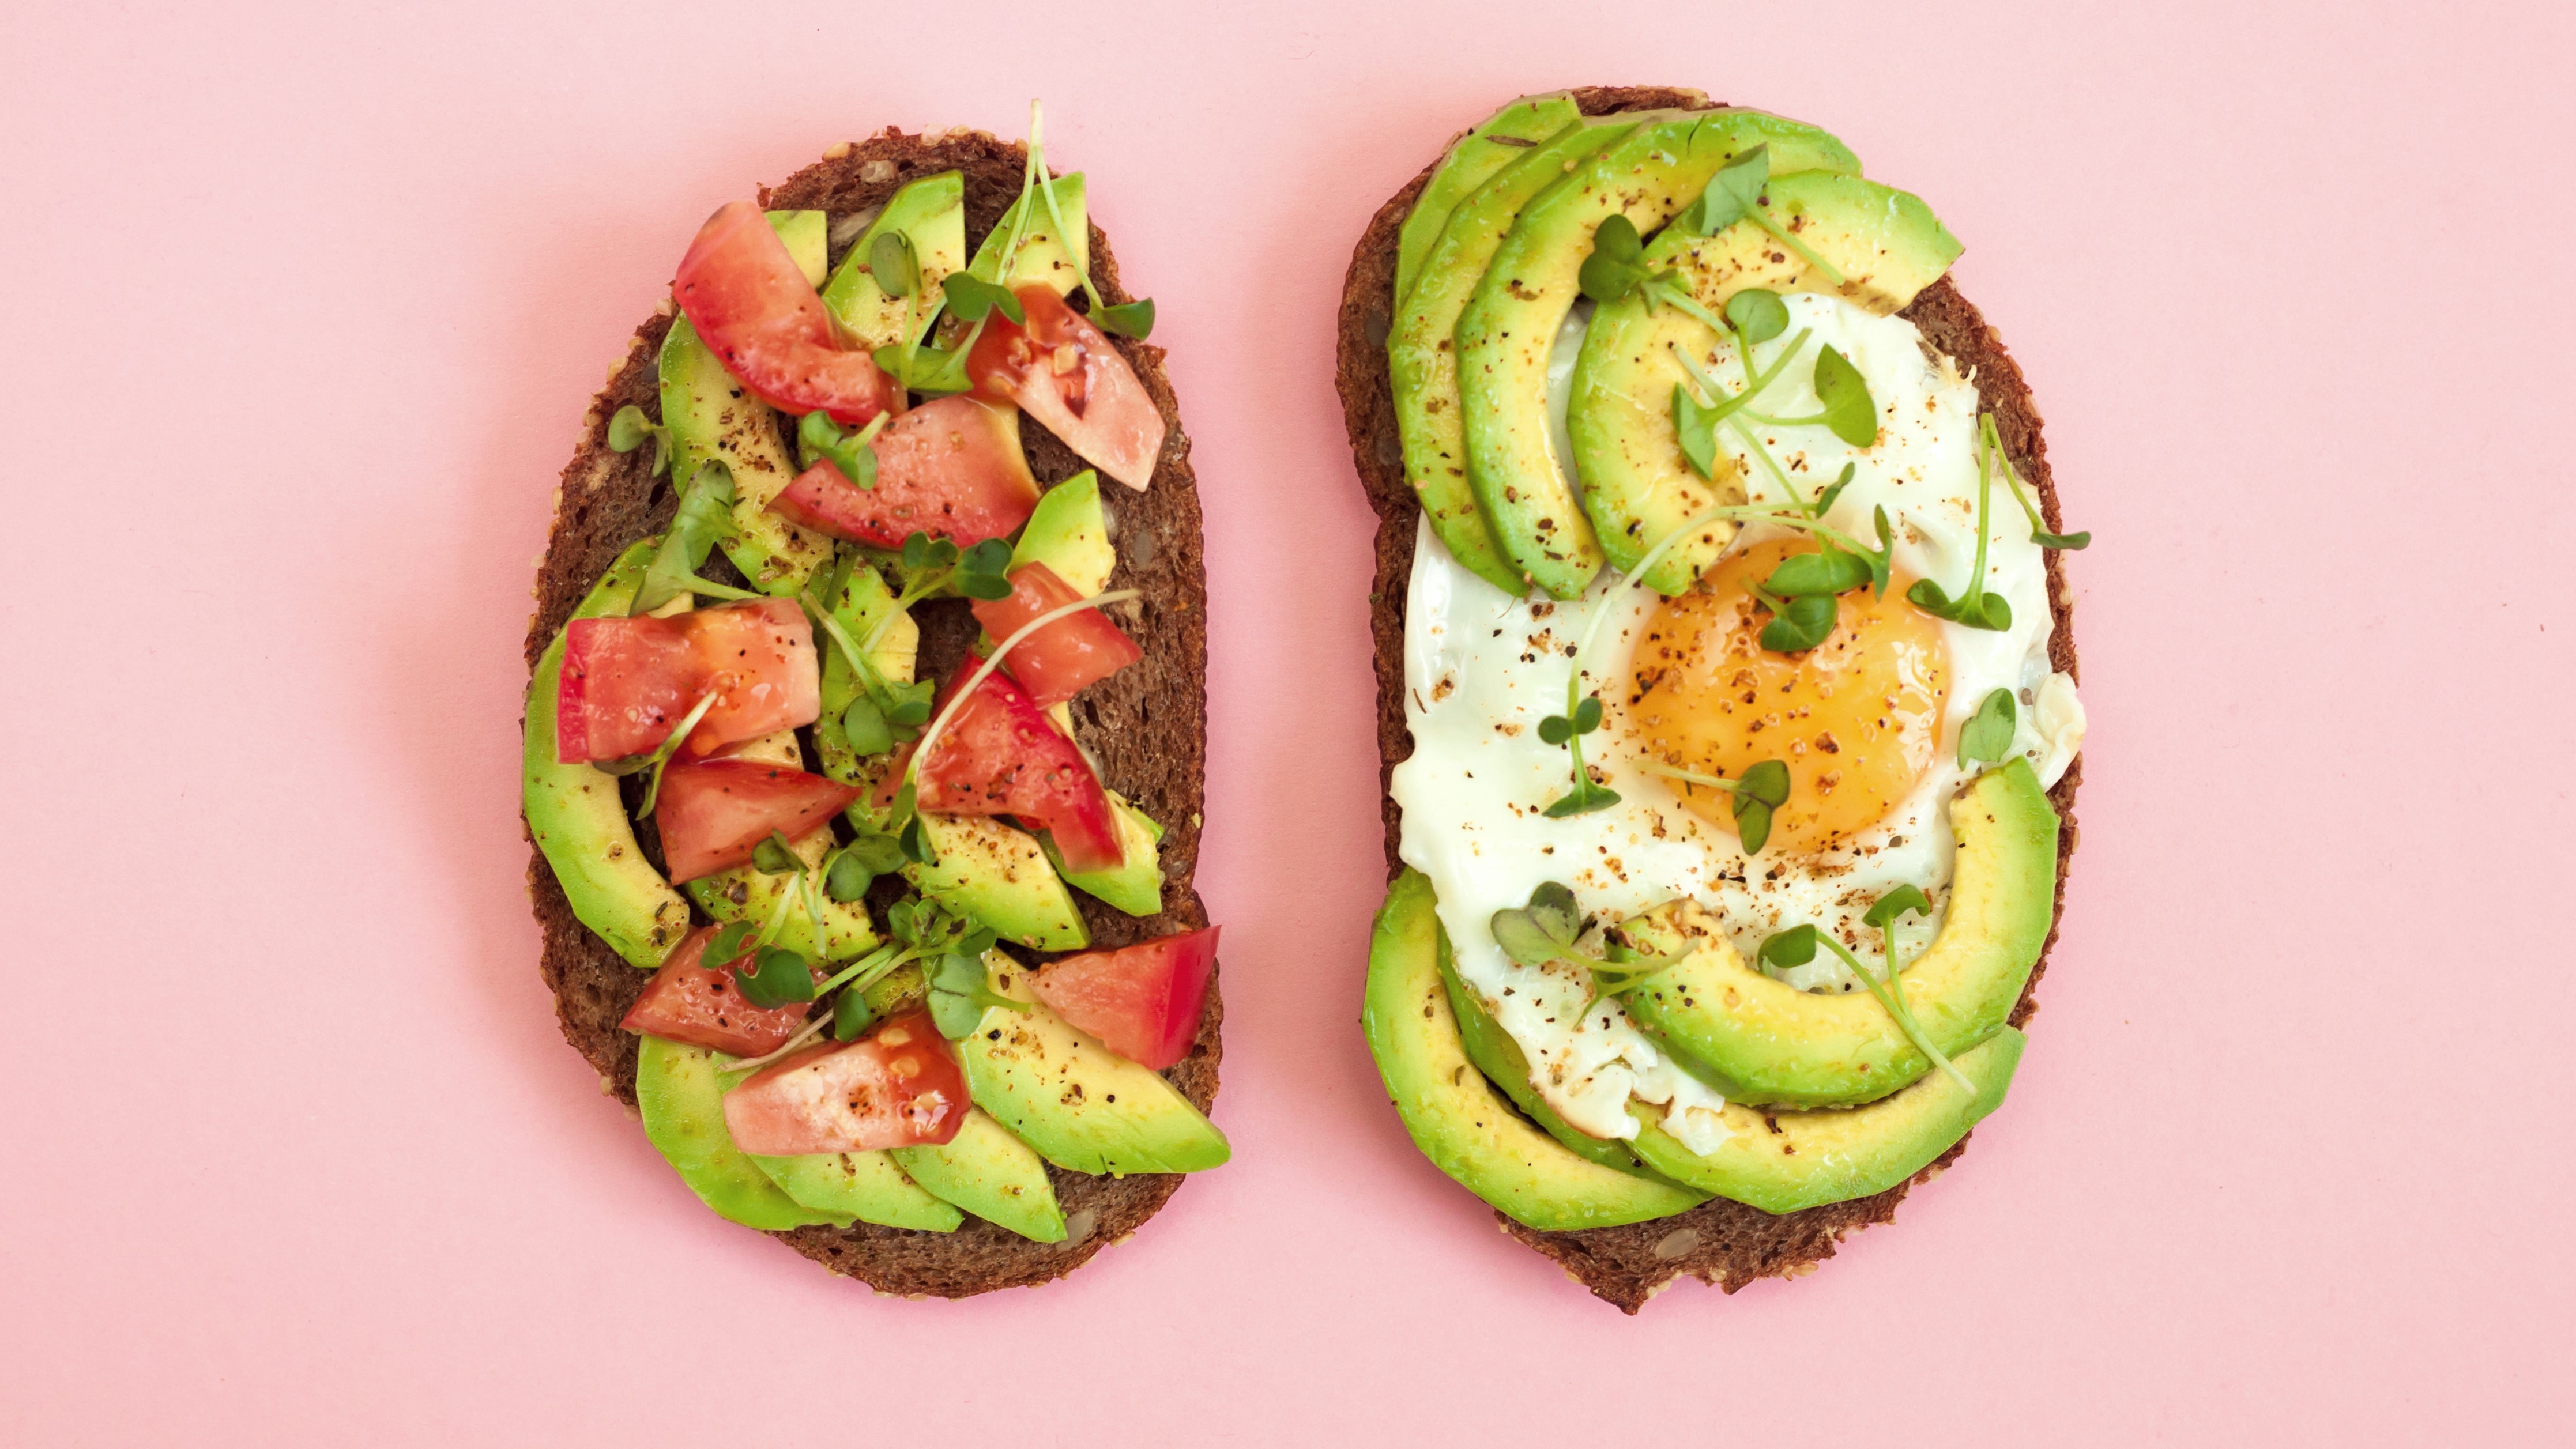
<point x="1720" y="1242"/>
<point x="1146" y="725"/>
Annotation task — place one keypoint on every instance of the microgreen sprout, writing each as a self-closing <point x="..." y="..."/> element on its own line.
<point x="1763" y="789"/>
<point x="778" y="977"/>
<point x="1988" y="734"/>
<point x="972" y="299"/>
<point x="1127" y="319"/>
<point x="1735" y="194"/>
<point x="946" y="370"/>
<point x="1616" y="267"/>
<point x="704" y="519"/>
<point x="1975" y="607"/>
<point x="1551" y="929"/>
<point x="853" y="455"/>
<point x="627" y="430"/>
<point x="1796" y="946"/>
<point x="2039" y="533"/>
<point x="660" y="759"/>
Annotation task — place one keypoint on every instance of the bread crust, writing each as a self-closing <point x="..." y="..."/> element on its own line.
<point x="1146" y="725"/>
<point x="1726" y="1243"/>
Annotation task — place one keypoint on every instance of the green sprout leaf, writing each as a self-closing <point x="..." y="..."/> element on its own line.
<point x="983" y="572"/>
<point x="894" y="266"/>
<point x="864" y="725"/>
<point x="1767" y="782"/>
<point x="1752" y="823"/>
<point x="973" y="299"/>
<point x="1798" y="624"/>
<point x="1586" y="797"/>
<point x="849" y="877"/>
<point x="1695" y="426"/>
<point x="778" y="977"/>
<point x="1127" y="319"/>
<point x="1795" y="946"/>
<point x="1614" y="268"/>
<point x="1830" y="571"/>
<point x="1973" y="606"/>
<point x="911" y="708"/>
<point x="1898" y="902"/>
<point x="704" y="519"/>
<point x="776" y="856"/>
<point x="960" y="991"/>
<point x="660" y="759"/>
<point x="852" y="454"/>
<point x="727" y="945"/>
<point x="2039" y="533"/>
<point x="914" y="840"/>
<point x="850" y="1016"/>
<point x="627" y="430"/>
<point x="1849" y="412"/>
<point x="1734" y="193"/>
<point x="1542" y="931"/>
<point x="1988" y="734"/>
<point x="1757" y="315"/>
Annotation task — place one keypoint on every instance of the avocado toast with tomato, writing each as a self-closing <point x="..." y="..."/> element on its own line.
<point x="865" y="728"/>
<point x="1727" y="700"/>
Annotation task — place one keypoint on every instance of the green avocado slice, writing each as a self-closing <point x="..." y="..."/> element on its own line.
<point x="1760" y="1040"/>
<point x="808" y="238"/>
<point x="865" y="1185"/>
<point x="930" y="211"/>
<point x="682" y="1100"/>
<point x="1508" y="332"/>
<point x="1070" y="535"/>
<point x="1082" y="1106"/>
<point x="1454" y="1116"/>
<point x="1501" y="1060"/>
<point x="1782" y="1161"/>
<point x="1496" y="142"/>
<point x="1886" y="244"/>
<point x="1000" y="875"/>
<point x="713" y="418"/>
<point x="576" y="816"/>
<point x="1422" y="359"/>
<point x="991" y="1174"/>
<point x="1135" y="884"/>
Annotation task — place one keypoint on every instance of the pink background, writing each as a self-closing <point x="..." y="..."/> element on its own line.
<point x="307" y="303"/>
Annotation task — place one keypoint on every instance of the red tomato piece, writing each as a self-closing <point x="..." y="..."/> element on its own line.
<point x="627" y="683"/>
<point x="690" y="1001"/>
<point x="751" y="304"/>
<point x="1001" y="755"/>
<point x="1056" y="662"/>
<point x="713" y="813"/>
<point x="896" y="1087"/>
<point x="1068" y="375"/>
<point x="1143" y="1001"/>
<point x="952" y="468"/>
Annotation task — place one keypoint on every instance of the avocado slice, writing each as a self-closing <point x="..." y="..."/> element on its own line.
<point x="931" y="212"/>
<point x="577" y="817"/>
<point x="711" y="417"/>
<point x="1043" y="255"/>
<point x="1509" y="329"/>
<point x="1454" y="1116"/>
<point x="1636" y="487"/>
<point x="865" y="1185"/>
<point x="1760" y="1040"/>
<point x="683" y="1105"/>
<point x="1069" y="533"/>
<point x="1422" y="357"/>
<point x="998" y="874"/>
<point x="991" y="1174"/>
<point x="744" y="894"/>
<point x="1135" y="885"/>
<point x="1501" y="1060"/>
<point x="1497" y="141"/>
<point x="808" y="236"/>
<point x="1081" y="1105"/>
<point x="1783" y="1161"/>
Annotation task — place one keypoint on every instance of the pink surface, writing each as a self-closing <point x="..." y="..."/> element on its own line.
<point x="308" y="305"/>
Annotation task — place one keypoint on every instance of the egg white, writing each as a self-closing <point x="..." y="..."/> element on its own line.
<point x="1483" y="668"/>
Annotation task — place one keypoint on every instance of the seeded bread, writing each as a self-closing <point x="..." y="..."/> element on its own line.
<point x="1146" y="725"/>
<point x="1720" y="1242"/>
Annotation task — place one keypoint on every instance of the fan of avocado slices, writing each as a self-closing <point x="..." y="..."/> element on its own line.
<point x="866" y="911"/>
<point x="1728" y="842"/>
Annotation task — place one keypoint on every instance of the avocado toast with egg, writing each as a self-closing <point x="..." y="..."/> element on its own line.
<point x="1723" y="658"/>
<point x="865" y="730"/>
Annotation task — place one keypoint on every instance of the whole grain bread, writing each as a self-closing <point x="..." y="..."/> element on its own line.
<point x="1720" y="1242"/>
<point x="1146" y="725"/>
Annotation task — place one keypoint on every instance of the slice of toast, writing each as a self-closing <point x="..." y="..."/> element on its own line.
<point x="1721" y="1242"/>
<point x="1146" y="725"/>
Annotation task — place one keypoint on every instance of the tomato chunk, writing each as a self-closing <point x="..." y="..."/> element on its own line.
<point x="1056" y="662"/>
<point x="713" y="813"/>
<point x="1068" y="375"/>
<point x="751" y="304"/>
<point x="897" y="1087"/>
<point x="627" y="683"/>
<point x="952" y="468"/>
<point x="1143" y="1001"/>
<point x="1001" y="755"/>
<point x="691" y="1001"/>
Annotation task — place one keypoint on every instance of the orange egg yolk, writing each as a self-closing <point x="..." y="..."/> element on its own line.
<point x="1856" y="719"/>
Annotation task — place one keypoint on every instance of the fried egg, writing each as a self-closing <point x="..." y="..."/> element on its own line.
<point x="1867" y="723"/>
